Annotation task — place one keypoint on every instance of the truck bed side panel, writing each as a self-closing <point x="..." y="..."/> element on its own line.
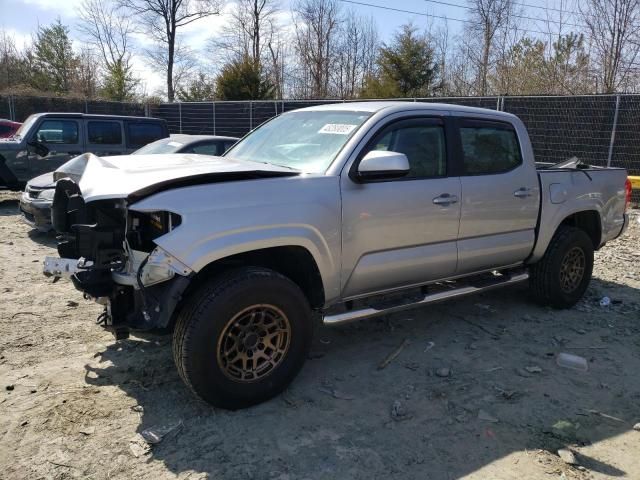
<point x="565" y="193"/>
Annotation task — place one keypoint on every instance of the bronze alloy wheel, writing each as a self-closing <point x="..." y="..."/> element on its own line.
<point x="253" y="343"/>
<point x="572" y="269"/>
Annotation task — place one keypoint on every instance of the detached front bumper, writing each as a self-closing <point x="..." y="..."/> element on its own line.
<point x="36" y="212"/>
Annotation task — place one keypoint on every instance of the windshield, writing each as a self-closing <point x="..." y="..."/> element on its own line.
<point x="24" y="128"/>
<point x="306" y="140"/>
<point x="164" y="145"/>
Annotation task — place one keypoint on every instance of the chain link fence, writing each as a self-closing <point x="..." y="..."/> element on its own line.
<point x="598" y="129"/>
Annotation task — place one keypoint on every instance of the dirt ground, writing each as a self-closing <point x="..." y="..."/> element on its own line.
<point x="475" y="393"/>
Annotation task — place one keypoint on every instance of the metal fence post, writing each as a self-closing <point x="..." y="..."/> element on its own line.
<point x="250" y="115"/>
<point x="613" y="131"/>
<point x="180" y="115"/>
<point x="213" y="106"/>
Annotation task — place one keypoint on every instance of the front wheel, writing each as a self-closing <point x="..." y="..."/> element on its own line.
<point x="562" y="276"/>
<point x="243" y="337"/>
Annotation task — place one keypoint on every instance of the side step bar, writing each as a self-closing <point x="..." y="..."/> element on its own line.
<point x="354" y="315"/>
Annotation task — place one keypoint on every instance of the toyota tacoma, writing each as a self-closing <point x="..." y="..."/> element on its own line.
<point x="336" y="212"/>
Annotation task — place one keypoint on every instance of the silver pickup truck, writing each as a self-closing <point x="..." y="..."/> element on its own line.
<point x="339" y="212"/>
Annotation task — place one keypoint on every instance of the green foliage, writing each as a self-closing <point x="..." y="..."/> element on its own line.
<point x="199" y="89"/>
<point x="54" y="61"/>
<point x="407" y="67"/>
<point x="119" y="83"/>
<point x="244" y="80"/>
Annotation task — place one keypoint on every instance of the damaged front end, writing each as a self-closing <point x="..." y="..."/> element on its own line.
<point x="107" y="249"/>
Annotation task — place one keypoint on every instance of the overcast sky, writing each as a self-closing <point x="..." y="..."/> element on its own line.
<point x="21" y="18"/>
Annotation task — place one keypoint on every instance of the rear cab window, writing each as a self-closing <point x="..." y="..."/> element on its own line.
<point x="488" y="147"/>
<point x="141" y="133"/>
<point x="104" y="132"/>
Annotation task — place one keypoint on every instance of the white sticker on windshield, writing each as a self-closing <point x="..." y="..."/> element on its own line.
<point x="174" y="144"/>
<point x="337" y="128"/>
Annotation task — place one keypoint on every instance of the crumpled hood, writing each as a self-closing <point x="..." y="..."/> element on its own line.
<point x="142" y="175"/>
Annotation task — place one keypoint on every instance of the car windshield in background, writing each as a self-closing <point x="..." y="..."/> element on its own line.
<point x="164" y="145"/>
<point x="307" y="141"/>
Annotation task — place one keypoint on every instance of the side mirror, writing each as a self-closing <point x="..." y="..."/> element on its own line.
<point x="382" y="165"/>
<point x="40" y="148"/>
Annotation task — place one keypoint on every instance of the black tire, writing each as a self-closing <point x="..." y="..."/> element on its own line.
<point x="204" y="325"/>
<point x="549" y="282"/>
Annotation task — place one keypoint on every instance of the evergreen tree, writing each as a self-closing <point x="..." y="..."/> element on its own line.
<point x="406" y="67"/>
<point x="54" y="60"/>
<point x="243" y="80"/>
<point x="198" y="89"/>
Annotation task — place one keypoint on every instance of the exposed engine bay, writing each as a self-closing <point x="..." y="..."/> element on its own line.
<point x="108" y="252"/>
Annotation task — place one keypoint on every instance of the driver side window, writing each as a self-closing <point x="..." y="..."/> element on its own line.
<point x="421" y="140"/>
<point x="58" y="131"/>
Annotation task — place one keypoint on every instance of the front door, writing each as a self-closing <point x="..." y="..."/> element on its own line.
<point x="401" y="232"/>
<point x="63" y="139"/>
<point x="500" y="197"/>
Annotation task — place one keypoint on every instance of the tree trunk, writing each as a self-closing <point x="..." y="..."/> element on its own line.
<point x="172" y="44"/>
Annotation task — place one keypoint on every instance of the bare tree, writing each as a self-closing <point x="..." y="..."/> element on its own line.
<point x="614" y="30"/>
<point x="248" y="31"/>
<point x="488" y="17"/>
<point x="356" y="54"/>
<point x="316" y="31"/>
<point x="86" y="78"/>
<point x="183" y="63"/>
<point x="161" y="19"/>
<point x="108" y="29"/>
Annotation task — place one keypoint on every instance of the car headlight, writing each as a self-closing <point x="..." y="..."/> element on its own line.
<point x="47" y="194"/>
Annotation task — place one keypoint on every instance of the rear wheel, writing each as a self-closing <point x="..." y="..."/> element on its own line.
<point x="243" y="337"/>
<point x="562" y="276"/>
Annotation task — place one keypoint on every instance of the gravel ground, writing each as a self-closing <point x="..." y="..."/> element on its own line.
<point x="474" y="393"/>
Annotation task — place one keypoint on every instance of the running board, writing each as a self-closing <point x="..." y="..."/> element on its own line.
<point x="354" y="315"/>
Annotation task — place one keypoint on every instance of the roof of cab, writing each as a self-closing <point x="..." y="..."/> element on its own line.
<point x="187" y="138"/>
<point x="377" y="106"/>
<point x="94" y="116"/>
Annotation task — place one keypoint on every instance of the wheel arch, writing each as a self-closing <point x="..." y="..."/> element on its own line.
<point x="293" y="261"/>
<point x="589" y="220"/>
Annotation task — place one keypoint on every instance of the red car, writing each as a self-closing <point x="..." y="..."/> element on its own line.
<point x="8" y="128"/>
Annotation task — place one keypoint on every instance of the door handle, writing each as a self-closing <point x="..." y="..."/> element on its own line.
<point x="522" y="192"/>
<point x="445" y="199"/>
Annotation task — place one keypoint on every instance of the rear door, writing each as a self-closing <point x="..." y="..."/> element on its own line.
<point x="401" y="232"/>
<point x="500" y="196"/>
<point x="62" y="137"/>
<point x="105" y="137"/>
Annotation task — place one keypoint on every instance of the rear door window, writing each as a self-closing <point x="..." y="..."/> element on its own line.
<point x="58" y="131"/>
<point x="139" y="134"/>
<point x="489" y="148"/>
<point x="104" y="133"/>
